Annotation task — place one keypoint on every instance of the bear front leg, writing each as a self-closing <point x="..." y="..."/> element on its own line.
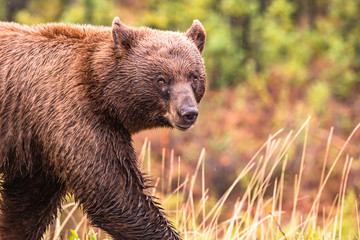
<point x="106" y="181"/>
<point x="29" y="204"/>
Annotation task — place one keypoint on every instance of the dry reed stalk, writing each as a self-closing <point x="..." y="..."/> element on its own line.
<point x="251" y="218"/>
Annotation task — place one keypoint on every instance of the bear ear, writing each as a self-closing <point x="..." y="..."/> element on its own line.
<point x="196" y="33"/>
<point x="122" y="35"/>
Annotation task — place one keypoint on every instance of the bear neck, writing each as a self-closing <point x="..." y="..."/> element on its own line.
<point x="107" y="72"/>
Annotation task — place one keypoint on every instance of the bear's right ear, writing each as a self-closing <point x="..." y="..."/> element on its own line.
<point x="197" y="34"/>
<point x="122" y="35"/>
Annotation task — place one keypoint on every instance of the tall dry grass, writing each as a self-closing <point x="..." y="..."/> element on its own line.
<point x="258" y="211"/>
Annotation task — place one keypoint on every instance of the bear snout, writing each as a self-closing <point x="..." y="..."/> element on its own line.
<point x="189" y="114"/>
<point x="183" y="106"/>
<point x="185" y="117"/>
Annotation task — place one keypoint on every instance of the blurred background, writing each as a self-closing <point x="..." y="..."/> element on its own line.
<point x="270" y="64"/>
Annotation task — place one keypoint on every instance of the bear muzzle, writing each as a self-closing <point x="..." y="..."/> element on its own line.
<point x="183" y="107"/>
<point x="189" y="115"/>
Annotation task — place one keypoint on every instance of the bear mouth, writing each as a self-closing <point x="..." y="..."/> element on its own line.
<point x="182" y="127"/>
<point x="178" y="123"/>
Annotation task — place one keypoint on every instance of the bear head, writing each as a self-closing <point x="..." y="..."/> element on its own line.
<point x="159" y="77"/>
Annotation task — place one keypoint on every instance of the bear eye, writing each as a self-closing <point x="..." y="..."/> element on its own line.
<point x="161" y="81"/>
<point x="194" y="81"/>
<point x="162" y="84"/>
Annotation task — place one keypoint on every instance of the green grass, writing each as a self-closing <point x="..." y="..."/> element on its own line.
<point x="257" y="211"/>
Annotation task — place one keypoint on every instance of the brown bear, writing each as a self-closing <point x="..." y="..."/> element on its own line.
<point x="71" y="96"/>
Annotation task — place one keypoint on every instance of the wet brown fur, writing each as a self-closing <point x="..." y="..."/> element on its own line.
<point x="70" y="98"/>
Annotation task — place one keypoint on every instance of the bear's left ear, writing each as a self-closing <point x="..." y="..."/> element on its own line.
<point x="122" y="35"/>
<point x="197" y="34"/>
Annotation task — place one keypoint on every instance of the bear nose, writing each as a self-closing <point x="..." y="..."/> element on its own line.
<point x="189" y="114"/>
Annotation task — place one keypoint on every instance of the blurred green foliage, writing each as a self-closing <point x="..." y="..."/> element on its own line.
<point x="251" y="38"/>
